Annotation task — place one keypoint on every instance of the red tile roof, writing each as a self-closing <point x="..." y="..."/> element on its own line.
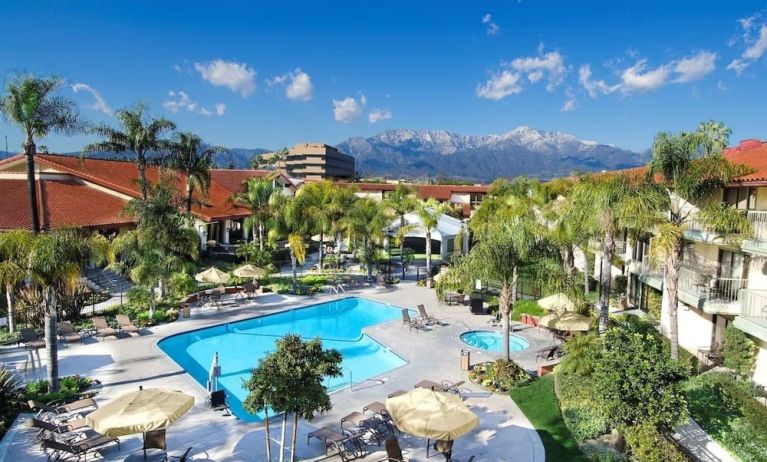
<point x="754" y="154"/>
<point x="232" y="180"/>
<point x="437" y="191"/>
<point x="122" y="176"/>
<point x="62" y="204"/>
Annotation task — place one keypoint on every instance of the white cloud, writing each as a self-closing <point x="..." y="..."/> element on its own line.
<point x="180" y="100"/>
<point x="500" y="85"/>
<point x="347" y="109"/>
<point x="695" y="67"/>
<point x="551" y="64"/>
<point x="639" y="78"/>
<point x="756" y="43"/>
<point x="568" y="106"/>
<point x="238" y="77"/>
<point x="99" y="104"/>
<point x="377" y="115"/>
<point x="594" y="87"/>
<point x="491" y="28"/>
<point x="299" y="85"/>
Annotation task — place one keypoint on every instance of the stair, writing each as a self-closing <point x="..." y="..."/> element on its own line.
<point x="107" y="280"/>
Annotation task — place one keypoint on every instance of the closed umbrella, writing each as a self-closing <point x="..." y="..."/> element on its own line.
<point x="249" y="271"/>
<point x="565" y="321"/>
<point x="557" y="302"/>
<point x="140" y="411"/>
<point x="214" y="374"/>
<point x="212" y="275"/>
<point x="431" y="414"/>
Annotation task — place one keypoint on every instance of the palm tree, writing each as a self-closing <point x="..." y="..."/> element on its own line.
<point x="341" y="201"/>
<point x="401" y="201"/>
<point x="31" y="103"/>
<point x="602" y="205"/>
<point x="292" y="224"/>
<point x="191" y="156"/>
<point x="317" y="198"/>
<point x="366" y="223"/>
<point x="55" y="260"/>
<point x="258" y="198"/>
<point x="15" y="246"/>
<point x="139" y="134"/>
<point x="690" y="169"/>
<point x="429" y="212"/>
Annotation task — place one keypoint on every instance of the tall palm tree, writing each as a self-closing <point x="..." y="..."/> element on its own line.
<point x="341" y="201"/>
<point x="55" y="260"/>
<point x="191" y="156"/>
<point x="317" y="197"/>
<point x="402" y="201"/>
<point x="31" y="103"/>
<point x="138" y="134"/>
<point x="257" y="197"/>
<point x="366" y="223"/>
<point x="429" y="212"/>
<point x="602" y="205"/>
<point x="690" y="169"/>
<point x="292" y="224"/>
<point x="15" y="246"/>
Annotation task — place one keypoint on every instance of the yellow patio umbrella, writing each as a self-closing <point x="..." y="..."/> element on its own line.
<point x="212" y="275"/>
<point x="249" y="271"/>
<point x="557" y="302"/>
<point x="140" y="411"/>
<point x="566" y="321"/>
<point x="431" y="414"/>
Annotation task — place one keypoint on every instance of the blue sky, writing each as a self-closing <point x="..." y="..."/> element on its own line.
<point x="252" y="74"/>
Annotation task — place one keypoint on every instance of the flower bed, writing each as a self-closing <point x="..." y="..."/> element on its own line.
<point x="499" y="376"/>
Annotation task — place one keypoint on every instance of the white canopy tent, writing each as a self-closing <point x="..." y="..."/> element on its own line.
<point x="447" y="230"/>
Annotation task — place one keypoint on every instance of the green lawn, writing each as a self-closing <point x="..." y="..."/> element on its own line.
<point x="540" y="405"/>
<point x="526" y="307"/>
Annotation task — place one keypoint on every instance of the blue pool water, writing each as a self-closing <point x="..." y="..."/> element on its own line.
<point x="240" y="344"/>
<point x="492" y="341"/>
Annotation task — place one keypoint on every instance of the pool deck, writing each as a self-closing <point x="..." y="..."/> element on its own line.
<point x="504" y="434"/>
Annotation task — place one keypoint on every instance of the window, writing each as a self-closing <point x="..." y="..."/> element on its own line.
<point x="476" y="198"/>
<point x="740" y="198"/>
<point x="733" y="265"/>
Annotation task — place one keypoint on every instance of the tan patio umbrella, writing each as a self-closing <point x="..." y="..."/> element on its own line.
<point x="212" y="275"/>
<point x="249" y="271"/>
<point x="140" y="411"/>
<point x="431" y="414"/>
<point x="325" y="238"/>
<point x="566" y="321"/>
<point x="557" y="302"/>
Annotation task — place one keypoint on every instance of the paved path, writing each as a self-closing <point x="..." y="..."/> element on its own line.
<point x="504" y="435"/>
<point x="700" y="444"/>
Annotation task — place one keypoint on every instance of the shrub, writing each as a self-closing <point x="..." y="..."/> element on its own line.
<point x="647" y="444"/>
<point x="582" y="354"/>
<point x="499" y="376"/>
<point x="639" y="382"/>
<point x="739" y="351"/>
<point x="314" y="280"/>
<point x="181" y="284"/>
<point x="726" y="409"/>
<point x="577" y="399"/>
<point x="620" y="284"/>
<point x="139" y="296"/>
<point x="654" y="304"/>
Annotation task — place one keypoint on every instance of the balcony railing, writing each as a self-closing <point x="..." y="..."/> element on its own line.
<point x="758" y="221"/>
<point x="709" y="288"/>
<point x="620" y="248"/>
<point x="754" y="303"/>
<point x="649" y="270"/>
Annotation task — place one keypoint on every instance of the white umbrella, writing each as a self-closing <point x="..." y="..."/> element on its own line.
<point x="557" y="302"/>
<point x="213" y="275"/>
<point x="325" y="238"/>
<point x="214" y="374"/>
<point x="249" y="271"/>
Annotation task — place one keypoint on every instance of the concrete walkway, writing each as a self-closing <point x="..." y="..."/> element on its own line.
<point x="504" y="435"/>
<point x="700" y="444"/>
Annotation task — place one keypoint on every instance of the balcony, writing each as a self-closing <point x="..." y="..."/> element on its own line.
<point x="620" y="249"/>
<point x="650" y="273"/>
<point x="757" y="243"/>
<point x="695" y="230"/>
<point x="753" y="317"/>
<point x="711" y="294"/>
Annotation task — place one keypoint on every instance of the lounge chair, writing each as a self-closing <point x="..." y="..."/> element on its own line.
<point x="410" y="322"/>
<point x="76" y="406"/>
<point x="54" y="427"/>
<point x="429" y="385"/>
<point x="352" y="447"/>
<point x="217" y="401"/>
<point x="68" y="333"/>
<point x="126" y="325"/>
<point x="429" y="318"/>
<point x="396" y="393"/>
<point x="445" y="386"/>
<point x="102" y="328"/>
<point x="377" y="408"/>
<point x="79" y="448"/>
<point x="326" y="435"/>
<point x="31" y="340"/>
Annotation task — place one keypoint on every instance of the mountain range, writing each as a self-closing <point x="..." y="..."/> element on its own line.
<point x="412" y="154"/>
<point x="428" y="154"/>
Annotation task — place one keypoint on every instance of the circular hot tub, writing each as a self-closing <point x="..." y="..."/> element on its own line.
<point x="493" y="341"/>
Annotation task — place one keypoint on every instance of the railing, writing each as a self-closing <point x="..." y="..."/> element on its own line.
<point x="754" y="303"/>
<point x="649" y="270"/>
<point x="620" y="248"/>
<point x="709" y="288"/>
<point x="758" y="221"/>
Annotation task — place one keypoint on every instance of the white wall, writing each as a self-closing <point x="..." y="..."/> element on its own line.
<point x="695" y="328"/>
<point x="760" y="372"/>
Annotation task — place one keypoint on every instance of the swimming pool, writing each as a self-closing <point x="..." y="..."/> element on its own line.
<point x="493" y="341"/>
<point x="240" y="344"/>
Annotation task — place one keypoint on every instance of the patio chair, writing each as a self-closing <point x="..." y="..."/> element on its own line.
<point x="79" y="449"/>
<point x="350" y="448"/>
<point x="102" y="328"/>
<point x="712" y="355"/>
<point x="410" y="322"/>
<point x="155" y="439"/>
<point x="53" y="427"/>
<point x="217" y="401"/>
<point x="126" y="325"/>
<point x="183" y="457"/>
<point x="453" y="387"/>
<point x="31" y="340"/>
<point x="547" y="354"/>
<point x="214" y="298"/>
<point x="76" y="406"/>
<point x="429" y="318"/>
<point x="394" y="451"/>
<point x="327" y="435"/>
<point x="68" y="333"/>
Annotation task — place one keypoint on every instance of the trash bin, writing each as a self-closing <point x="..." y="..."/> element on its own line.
<point x="186" y="310"/>
<point x="465" y="360"/>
